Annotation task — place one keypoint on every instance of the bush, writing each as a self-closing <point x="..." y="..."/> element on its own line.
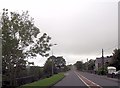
<point x="102" y="71"/>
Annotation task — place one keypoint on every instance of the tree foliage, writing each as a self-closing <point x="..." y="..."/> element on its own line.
<point x="79" y="65"/>
<point x="116" y="59"/>
<point x="58" y="64"/>
<point x="36" y="71"/>
<point x="48" y="68"/>
<point x="20" y="39"/>
<point x="91" y="64"/>
<point x="85" y="66"/>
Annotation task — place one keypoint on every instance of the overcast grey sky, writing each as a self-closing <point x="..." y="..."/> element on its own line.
<point x="81" y="28"/>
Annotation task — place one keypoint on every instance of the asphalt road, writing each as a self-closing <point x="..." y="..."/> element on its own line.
<point x="71" y="79"/>
<point x="86" y="80"/>
<point x="102" y="81"/>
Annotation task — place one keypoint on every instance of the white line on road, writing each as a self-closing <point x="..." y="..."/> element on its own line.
<point x="82" y="80"/>
<point x="89" y="80"/>
<point x="86" y="79"/>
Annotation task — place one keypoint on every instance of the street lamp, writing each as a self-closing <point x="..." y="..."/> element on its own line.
<point x="52" y="59"/>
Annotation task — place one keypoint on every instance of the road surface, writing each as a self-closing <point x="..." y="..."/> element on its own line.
<point x="82" y="79"/>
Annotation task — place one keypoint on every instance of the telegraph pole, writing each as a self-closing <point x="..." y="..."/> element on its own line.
<point x="52" y="59"/>
<point x="87" y="64"/>
<point x="103" y="60"/>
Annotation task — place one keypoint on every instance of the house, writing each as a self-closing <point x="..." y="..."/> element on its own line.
<point x="98" y="62"/>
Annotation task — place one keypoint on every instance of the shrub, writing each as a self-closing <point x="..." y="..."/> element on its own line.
<point x="102" y="71"/>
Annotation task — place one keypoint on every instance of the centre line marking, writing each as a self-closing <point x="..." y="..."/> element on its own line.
<point x="82" y="80"/>
<point x="86" y="81"/>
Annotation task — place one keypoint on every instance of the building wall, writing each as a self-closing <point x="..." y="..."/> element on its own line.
<point x="98" y="62"/>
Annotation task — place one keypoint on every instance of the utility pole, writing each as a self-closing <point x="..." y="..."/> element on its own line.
<point x="103" y="60"/>
<point x="52" y="59"/>
<point x="87" y="64"/>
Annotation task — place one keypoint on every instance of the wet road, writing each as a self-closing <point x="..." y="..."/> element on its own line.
<point x="87" y="80"/>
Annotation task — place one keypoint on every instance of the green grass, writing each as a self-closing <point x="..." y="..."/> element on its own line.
<point x="45" y="82"/>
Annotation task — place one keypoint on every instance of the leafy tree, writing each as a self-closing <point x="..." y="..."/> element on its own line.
<point x="49" y="65"/>
<point x="66" y="68"/>
<point x="58" y="64"/>
<point x="102" y="71"/>
<point x="116" y="59"/>
<point x="79" y="65"/>
<point x="36" y="71"/>
<point x="20" y="39"/>
<point x="48" y="68"/>
<point x="85" y="66"/>
<point x="91" y="64"/>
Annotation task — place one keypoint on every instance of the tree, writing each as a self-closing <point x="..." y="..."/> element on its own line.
<point x="21" y="39"/>
<point x="79" y="65"/>
<point x="116" y="59"/>
<point x="36" y="71"/>
<point x="91" y="64"/>
<point x="85" y="66"/>
<point x="58" y="64"/>
<point x="66" y="68"/>
<point x="48" y="68"/>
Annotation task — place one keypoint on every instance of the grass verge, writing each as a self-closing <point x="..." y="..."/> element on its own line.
<point x="47" y="82"/>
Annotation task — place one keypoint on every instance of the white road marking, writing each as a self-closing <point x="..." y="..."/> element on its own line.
<point x="86" y="79"/>
<point x="82" y="80"/>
